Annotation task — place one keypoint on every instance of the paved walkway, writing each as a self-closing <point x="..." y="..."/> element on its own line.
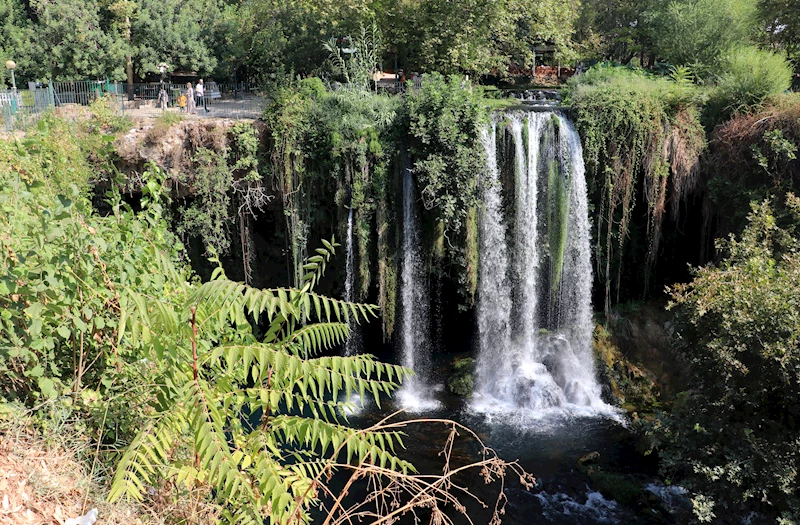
<point x="250" y="108"/>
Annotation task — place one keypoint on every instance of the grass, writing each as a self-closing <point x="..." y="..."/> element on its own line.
<point x="51" y="472"/>
<point x="163" y="124"/>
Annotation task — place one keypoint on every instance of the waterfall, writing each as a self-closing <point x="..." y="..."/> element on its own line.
<point x="353" y="343"/>
<point x="494" y="290"/>
<point x="415" y="321"/>
<point x="534" y="350"/>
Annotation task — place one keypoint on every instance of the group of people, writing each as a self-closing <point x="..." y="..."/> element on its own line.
<point x="195" y="96"/>
<point x="189" y="100"/>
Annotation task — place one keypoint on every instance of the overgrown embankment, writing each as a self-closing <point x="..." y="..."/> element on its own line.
<point x="670" y="171"/>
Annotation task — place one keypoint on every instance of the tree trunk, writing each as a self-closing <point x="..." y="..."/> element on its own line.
<point x="129" y="59"/>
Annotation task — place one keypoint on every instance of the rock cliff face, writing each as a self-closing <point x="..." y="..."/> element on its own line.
<point x="171" y="145"/>
<point x="636" y="361"/>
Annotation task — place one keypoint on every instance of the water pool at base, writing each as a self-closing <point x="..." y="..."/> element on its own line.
<point x="547" y="445"/>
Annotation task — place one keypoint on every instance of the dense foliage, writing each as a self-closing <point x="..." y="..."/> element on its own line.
<point x="353" y="144"/>
<point x="640" y="134"/>
<point x="753" y="158"/>
<point x="698" y="34"/>
<point x="733" y="438"/>
<point x="216" y="393"/>
<point x="262" y="413"/>
<point x="750" y="75"/>
<point x="444" y="121"/>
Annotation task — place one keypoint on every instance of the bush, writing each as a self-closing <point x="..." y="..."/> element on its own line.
<point x="106" y="116"/>
<point x="697" y="33"/>
<point x="750" y="75"/>
<point x="733" y="442"/>
<point x="444" y="119"/>
<point x="754" y="157"/>
<point x="640" y="134"/>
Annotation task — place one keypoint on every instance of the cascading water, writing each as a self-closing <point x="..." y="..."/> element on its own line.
<point x="353" y="343"/>
<point x="415" y="320"/>
<point x="534" y="350"/>
<point x="494" y="292"/>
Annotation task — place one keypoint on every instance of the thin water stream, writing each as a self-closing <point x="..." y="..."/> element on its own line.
<point x="415" y="340"/>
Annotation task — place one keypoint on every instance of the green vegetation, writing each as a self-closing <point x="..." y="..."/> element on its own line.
<point x="226" y="393"/>
<point x="444" y="120"/>
<point x="733" y="438"/>
<point x="349" y="143"/>
<point x="698" y="33"/>
<point x="216" y="396"/>
<point x="750" y="75"/>
<point x="641" y="134"/>
<point x="218" y="377"/>
<point x="753" y="158"/>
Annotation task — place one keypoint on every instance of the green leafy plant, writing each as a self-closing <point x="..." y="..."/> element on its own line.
<point x="217" y="380"/>
<point x="640" y="134"/>
<point x="209" y="216"/>
<point x="60" y="274"/>
<point x="750" y="75"/>
<point x="444" y="119"/>
<point x="364" y="56"/>
<point x="733" y="438"/>
<point x="106" y="115"/>
<point x="162" y="124"/>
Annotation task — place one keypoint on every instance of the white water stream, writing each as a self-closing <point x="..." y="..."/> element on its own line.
<point x="416" y="392"/>
<point x="534" y="350"/>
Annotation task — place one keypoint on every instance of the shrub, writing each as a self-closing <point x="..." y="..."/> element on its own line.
<point x="734" y="440"/>
<point x="697" y="33"/>
<point x="754" y="157"/>
<point x="750" y="75"/>
<point x="106" y="115"/>
<point x="640" y="134"/>
<point x="444" y="118"/>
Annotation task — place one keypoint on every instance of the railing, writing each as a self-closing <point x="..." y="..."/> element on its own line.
<point x="9" y="97"/>
<point x="236" y="101"/>
<point x="221" y="100"/>
<point x="22" y="108"/>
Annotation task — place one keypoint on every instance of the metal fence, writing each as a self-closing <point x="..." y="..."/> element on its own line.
<point x="22" y="108"/>
<point x="221" y="100"/>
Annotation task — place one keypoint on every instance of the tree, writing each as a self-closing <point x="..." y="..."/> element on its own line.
<point x="279" y="35"/>
<point x="15" y="39"/>
<point x="781" y="18"/>
<point x="72" y="44"/>
<point x="614" y="30"/>
<point x="698" y="33"/>
<point x="175" y="32"/>
<point x="734" y="440"/>
<point x="524" y="25"/>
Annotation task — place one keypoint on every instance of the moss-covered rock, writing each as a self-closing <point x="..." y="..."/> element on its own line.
<point x="624" y="383"/>
<point x="461" y="381"/>
<point x="636" y="358"/>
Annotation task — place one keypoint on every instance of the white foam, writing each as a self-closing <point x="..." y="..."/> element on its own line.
<point x="415" y="400"/>
<point x="596" y="507"/>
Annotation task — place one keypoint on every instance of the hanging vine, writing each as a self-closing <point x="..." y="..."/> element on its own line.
<point x="639" y="134"/>
<point x="288" y="118"/>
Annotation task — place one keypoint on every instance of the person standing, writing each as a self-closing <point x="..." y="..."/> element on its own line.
<point x="191" y="109"/>
<point x="201" y="94"/>
<point x="163" y="98"/>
